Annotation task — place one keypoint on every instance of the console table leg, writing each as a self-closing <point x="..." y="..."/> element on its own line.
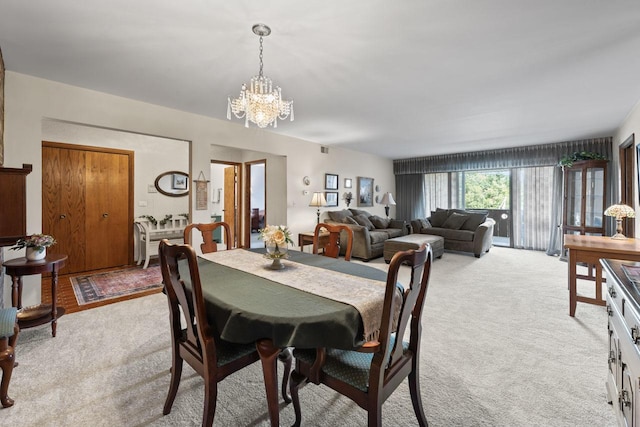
<point x="54" y="301"/>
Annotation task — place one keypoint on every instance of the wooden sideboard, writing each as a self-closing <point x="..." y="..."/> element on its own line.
<point x="623" y="387"/>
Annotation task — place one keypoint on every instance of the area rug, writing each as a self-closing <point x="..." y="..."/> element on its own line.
<point x="104" y="286"/>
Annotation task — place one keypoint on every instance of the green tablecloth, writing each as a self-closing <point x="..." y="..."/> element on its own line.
<point x="245" y="308"/>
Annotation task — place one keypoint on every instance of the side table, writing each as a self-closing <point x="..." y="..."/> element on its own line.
<point x="40" y="314"/>
<point x="307" y="239"/>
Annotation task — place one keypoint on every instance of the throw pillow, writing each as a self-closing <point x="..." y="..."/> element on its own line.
<point x="350" y="220"/>
<point x="379" y="222"/>
<point x="339" y="216"/>
<point x="416" y="224"/>
<point x="438" y="218"/>
<point x="455" y="221"/>
<point x="357" y="212"/>
<point x="425" y="223"/>
<point x="474" y="221"/>
<point x="364" y="221"/>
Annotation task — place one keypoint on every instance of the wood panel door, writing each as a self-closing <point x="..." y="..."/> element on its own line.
<point x="230" y="210"/>
<point x="86" y="205"/>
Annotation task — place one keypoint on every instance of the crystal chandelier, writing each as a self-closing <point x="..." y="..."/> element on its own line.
<point x="260" y="103"/>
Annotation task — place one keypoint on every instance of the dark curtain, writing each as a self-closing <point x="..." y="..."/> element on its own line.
<point x="410" y="196"/>
<point x="507" y="158"/>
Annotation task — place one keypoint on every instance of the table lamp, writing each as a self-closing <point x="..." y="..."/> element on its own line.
<point x="387" y="199"/>
<point x="317" y="201"/>
<point x="620" y="211"/>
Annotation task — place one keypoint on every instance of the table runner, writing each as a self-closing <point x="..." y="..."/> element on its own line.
<point x="365" y="295"/>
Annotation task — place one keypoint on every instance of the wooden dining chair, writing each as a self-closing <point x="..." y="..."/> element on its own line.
<point x="8" y="336"/>
<point x="207" y="229"/>
<point x="333" y="245"/>
<point x="198" y="344"/>
<point x="369" y="375"/>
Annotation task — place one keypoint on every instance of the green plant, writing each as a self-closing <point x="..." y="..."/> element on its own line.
<point x="569" y="159"/>
<point x="36" y="241"/>
<point x="166" y="219"/>
<point x="151" y="219"/>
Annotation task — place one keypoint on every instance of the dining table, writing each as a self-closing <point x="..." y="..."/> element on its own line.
<point x="249" y="303"/>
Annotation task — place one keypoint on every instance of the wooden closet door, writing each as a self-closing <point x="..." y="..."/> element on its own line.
<point x="63" y="203"/>
<point x="86" y="205"/>
<point x="107" y="210"/>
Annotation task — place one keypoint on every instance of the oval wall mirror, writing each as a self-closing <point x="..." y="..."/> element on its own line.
<point x="173" y="184"/>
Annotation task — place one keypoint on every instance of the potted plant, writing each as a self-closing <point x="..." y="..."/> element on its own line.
<point x="36" y="245"/>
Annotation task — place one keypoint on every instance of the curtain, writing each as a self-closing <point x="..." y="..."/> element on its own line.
<point x="507" y="158"/>
<point x="437" y="195"/>
<point x="554" y="248"/>
<point x="532" y="205"/>
<point x="410" y="201"/>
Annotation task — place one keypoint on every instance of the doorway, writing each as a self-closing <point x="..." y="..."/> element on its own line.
<point x="225" y="201"/>
<point x="256" y="200"/>
<point x="627" y="178"/>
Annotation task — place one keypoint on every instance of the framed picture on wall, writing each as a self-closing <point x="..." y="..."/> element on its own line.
<point x="347" y="183"/>
<point x="331" y="197"/>
<point x="179" y="181"/>
<point x="330" y="181"/>
<point x="365" y="191"/>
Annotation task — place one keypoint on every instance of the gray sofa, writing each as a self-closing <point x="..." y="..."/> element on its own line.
<point x="466" y="231"/>
<point x="369" y="231"/>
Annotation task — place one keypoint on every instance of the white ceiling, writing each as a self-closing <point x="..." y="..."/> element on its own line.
<point x="398" y="79"/>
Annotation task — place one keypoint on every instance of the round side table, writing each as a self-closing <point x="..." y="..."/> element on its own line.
<point x="39" y="314"/>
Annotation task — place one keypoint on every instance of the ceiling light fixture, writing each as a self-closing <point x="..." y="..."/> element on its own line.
<point x="260" y="103"/>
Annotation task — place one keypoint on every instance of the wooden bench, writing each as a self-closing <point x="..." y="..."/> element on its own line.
<point x="148" y="235"/>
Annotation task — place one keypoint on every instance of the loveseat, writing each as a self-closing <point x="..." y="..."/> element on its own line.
<point x="466" y="231"/>
<point x="369" y="231"/>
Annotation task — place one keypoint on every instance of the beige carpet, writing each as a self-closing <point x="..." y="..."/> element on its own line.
<point x="499" y="349"/>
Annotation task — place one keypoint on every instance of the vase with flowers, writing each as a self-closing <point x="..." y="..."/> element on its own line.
<point x="276" y="239"/>
<point x="36" y="246"/>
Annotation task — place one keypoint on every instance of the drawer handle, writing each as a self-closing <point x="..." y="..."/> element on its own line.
<point x="612" y="357"/>
<point x="612" y="292"/>
<point x="635" y="334"/>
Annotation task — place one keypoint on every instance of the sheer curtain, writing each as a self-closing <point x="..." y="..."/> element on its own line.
<point x="532" y="205"/>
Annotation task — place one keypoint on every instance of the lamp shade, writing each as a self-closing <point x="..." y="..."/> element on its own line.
<point x="620" y="211"/>
<point x="387" y="199"/>
<point x="318" y="200"/>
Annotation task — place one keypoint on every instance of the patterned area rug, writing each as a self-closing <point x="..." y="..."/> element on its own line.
<point x="110" y="285"/>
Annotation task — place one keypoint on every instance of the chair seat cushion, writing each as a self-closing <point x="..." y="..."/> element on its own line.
<point x="351" y="367"/>
<point x="7" y="321"/>
<point x="228" y="352"/>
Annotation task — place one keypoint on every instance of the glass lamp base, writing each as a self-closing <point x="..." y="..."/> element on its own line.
<point x="618" y="236"/>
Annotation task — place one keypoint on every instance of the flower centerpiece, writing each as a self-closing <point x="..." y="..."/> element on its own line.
<point x="276" y="239"/>
<point x="36" y="245"/>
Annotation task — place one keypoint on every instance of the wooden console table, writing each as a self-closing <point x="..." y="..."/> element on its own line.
<point x="307" y="239"/>
<point x="589" y="250"/>
<point x="40" y="314"/>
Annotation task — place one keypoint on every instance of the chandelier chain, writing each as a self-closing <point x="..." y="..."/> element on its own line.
<point x="260" y="74"/>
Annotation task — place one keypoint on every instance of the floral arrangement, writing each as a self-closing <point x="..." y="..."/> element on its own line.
<point x="35" y="241"/>
<point x="278" y="235"/>
<point x="347" y="198"/>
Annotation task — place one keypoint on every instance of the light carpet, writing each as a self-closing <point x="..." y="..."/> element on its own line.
<point x="499" y="349"/>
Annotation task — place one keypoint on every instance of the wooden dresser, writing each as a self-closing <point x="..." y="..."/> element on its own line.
<point x="623" y="378"/>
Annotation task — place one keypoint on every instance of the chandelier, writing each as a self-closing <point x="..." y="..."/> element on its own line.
<point x="260" y="103"/>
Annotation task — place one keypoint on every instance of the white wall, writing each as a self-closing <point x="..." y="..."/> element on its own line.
<point x="152" y="157"/>
<point x="29" y="100"/>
